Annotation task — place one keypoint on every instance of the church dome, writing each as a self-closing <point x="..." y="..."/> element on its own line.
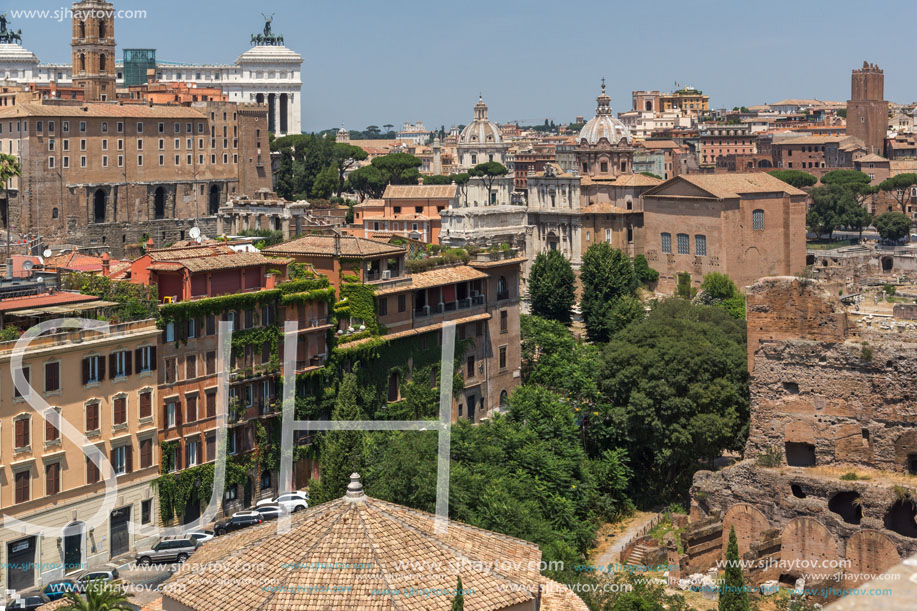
<point x="604" y="125"/>
<point x="480" y="131"/>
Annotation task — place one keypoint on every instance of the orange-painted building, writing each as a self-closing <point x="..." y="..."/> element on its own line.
<point x="405" y="210"/>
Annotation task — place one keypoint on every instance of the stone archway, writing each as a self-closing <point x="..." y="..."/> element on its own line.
<point x="807" y="547"/>
<point x="869" y="552"/>
<point x="749" y="524"/>
<point x="214" y="200"/>
<point x="98" y="206"/>
<point x="159" y="203"/>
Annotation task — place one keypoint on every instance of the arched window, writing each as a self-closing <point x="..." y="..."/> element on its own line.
<point x="757" y="220"/>
<point x="101" y="29"/>
<point x="700" y="245"/>
<point x="82" y="62"/>
<point x="666" y="245"/>
<point x="82" y="29"/>
<point x="503" y="397"/>
<point x="684" y="247"/>
<point x="54" y="213"/>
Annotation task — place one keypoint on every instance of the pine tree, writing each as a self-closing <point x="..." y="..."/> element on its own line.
<point x="458" y="603"/>
<point x="733" y="596"/>
<point x="341" y="451"/>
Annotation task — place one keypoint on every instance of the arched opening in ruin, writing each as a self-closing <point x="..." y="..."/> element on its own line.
<point x="98" y="206"/>
<point x="902" y="518"/>
<point x="847" y="505"/>
<point x="797" y="491"/>
<point x="799" y="454"/>
<point x="159" y="203"/>
<point x="912" y="464"/>
<point x="214" y="199"/>
<point x="787" y="579"/>
<point x="887" y="264"/>
<point x="810" y="259"/>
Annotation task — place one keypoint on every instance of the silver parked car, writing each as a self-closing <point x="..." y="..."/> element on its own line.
<point x="168" y="550"/>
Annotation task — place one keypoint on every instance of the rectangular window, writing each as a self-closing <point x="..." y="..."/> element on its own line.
<point x="192" y="328"/>
<point x="120" y="161"/>
<point x="470" y="366"/>
<point x="120" y="411"/>
<point x="211" y="404"/>
<point x="146" y="405"/>
<point x="191" y="452"/>
<point x="23" y="437"/>
<point x="119" y="460"/>
<point x="146" y="509"/>
<point x="120" y="145"/>
<point x="211" y="362"/>
<point x="402" y="303"/>
<point x="684" y="247"/>
<point x="93" y="369"/>
<point x="104" y="127"/>
<point x="82" y="161"/>
<point x="50" y="162"/>
<point x="146" y="453"/>
<point x="66" y="144"/>
<point x="120" y="363"/>
<point x="383" y="306"/>
<point x="190" y="367"/>
<point x="502" y="357"/>
<point x="65" y="125"/>
<point x="170" y="414"/>
<point x="52" y="418"/>
<point x="666" y="243"/>
<point x="171" y="375"/>
<point x="191" y="407"/>
<point x="104" y="161"/>
<point x="82" y="127"/>
<point x="119" y="127"/>
<point x="139" y="127"/>
<point x="92" y="417"/>
<point x="139" y="160"/>
<point x="146" y="358"/>
<point x="92" y="471"/>
<point x="52" y="478"/>
<point x="504" y="321"/>
<point x="23" y="481"/>
<point x="757" y="220"/>
<point x="27" y="374"/>
<point x="700" y="245"/>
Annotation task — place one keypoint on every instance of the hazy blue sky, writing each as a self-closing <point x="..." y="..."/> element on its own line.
<point x="377" y="62"/>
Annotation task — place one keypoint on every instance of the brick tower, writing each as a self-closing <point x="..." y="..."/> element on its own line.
<point x="867" y="112"/>
<point x="94" y="49"/>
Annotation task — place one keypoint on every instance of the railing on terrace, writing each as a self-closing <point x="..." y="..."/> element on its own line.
<point x="61" y="336"/>
<point x="451" y="306"/>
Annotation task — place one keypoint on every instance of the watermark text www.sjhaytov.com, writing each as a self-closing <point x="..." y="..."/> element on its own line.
<point x="67" y="14"/>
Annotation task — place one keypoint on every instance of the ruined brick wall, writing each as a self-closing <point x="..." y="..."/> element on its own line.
<point x="788" y="308"/>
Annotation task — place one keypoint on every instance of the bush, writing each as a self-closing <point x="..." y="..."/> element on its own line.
<point x="771" y="457"/>
<point x="645" y="274"/>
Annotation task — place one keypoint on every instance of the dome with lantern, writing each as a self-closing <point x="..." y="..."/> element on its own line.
<point x="604" y="126"/>
<point x="481" y="130"/>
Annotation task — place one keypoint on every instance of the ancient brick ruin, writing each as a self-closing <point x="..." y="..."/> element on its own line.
<point x="832" y="392"/>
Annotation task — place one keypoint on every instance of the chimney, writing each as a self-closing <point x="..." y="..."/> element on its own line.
<point x="269" y="281"/>
<point x="106" y="264"/>
<point x="337" y="244"/>
<point x="149" y="243"/>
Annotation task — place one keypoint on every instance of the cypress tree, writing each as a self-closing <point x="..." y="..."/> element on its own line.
<point x="733" y="596"/>
<point x="458" y="602"/>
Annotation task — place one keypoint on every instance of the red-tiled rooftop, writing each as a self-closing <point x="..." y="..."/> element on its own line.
<point x="324" y="245"/>
<point x="39" y="301"/>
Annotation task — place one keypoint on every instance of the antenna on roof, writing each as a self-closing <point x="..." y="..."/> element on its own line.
<point x="195" y="233"/>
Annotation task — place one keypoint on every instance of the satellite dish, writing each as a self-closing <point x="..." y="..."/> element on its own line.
<point x="47" y="252"/>
<point x="195" y="233"/>
<point x="27" y="265"/>
<point x="199" y="240"/>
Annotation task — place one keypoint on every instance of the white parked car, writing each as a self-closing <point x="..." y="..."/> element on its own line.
<point x="291" y="501"/>
<point x="201" y="535"/>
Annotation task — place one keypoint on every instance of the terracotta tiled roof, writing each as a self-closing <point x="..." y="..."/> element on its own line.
<point x="79" y="262"/>
<point x="371" y="203"/>
<point x="102" y="110"/>
<point x="728" y="186"/>
<point x="604" y="208"/>
<point x="558" y="597"/>
<point x="435" y="277"/>
<point x="872" y="157"/>
<point x="419" y="330"/>
<point x="215" y="262"/>
<point x="660" y="144"/>
<point x="419" y="192"/>
<point x="323" y="245"/>
<point x="39" y="301"/>
<point x="624" y="180"/>
<point x="189" y="252"/>
<point x="363" y="538"/>
<point x="812" y="140"/>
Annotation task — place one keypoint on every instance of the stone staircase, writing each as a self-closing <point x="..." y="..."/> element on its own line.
<point x="638" y="555"/>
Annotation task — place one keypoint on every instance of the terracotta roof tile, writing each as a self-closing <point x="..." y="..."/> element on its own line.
<point x="367" y="539"/>
<point x="102" y="110"/>
<point x="420" y="192"/>
<point x="39" y="301"/>
<point x="323" y="245"/>
<point x="727" y="186"/>
<point x="435" y="277"/>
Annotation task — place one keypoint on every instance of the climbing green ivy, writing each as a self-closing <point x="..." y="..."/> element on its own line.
<point x="184" y="310"/>
<point x="358" y="303"/>
<point x="176" y="490"/>
<point x="325" y="294"/>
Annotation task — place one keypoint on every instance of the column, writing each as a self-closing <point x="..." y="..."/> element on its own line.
<point x="276" y="113"/>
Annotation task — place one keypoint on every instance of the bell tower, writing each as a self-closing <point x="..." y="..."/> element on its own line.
<point x="93" y="47"/>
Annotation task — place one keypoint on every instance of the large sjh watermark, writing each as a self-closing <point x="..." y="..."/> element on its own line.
<point x="224" y="339"/>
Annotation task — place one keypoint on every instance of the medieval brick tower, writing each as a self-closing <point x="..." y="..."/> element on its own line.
<point x="94" y="49"/>
<point x="867" y="111"/>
